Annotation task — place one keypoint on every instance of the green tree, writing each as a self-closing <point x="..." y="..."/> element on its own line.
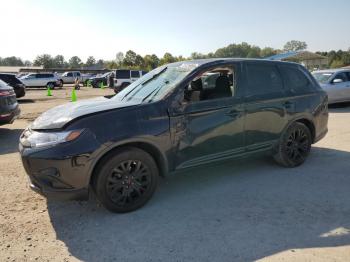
<point x="151" y="62"/>
<point x="167" y="58"/>
<point x="59" y="62"/>
<point x="268" y="51"/>
<point x="44" y="60"/>
<point x="295" y="45"/>
<point x="337" y="63"/>
<point x="74" y="62"/>
<point x="119" y="58"/>
<point x="130" y="58"/>
<point x="254" y="52"/>
<point x="90" y="61"/>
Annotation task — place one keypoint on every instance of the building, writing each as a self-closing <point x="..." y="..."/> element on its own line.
<point x="308" y="59"/>
<point x="17" y="69"/>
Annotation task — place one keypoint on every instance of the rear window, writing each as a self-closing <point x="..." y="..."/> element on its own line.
<point x="3" y="85"/>
<point x="122" y="74"/>
<point x="295" y="79"/>
<point x="263" y="79"/>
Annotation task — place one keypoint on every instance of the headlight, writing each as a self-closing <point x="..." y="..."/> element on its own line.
<point x="35" y="139"/>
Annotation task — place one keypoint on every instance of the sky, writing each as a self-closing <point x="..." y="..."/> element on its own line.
<point x="104" y="27"/>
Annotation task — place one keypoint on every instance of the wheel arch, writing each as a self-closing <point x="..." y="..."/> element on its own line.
<point x="146" y="146"/>
<point x="307" y="122"/>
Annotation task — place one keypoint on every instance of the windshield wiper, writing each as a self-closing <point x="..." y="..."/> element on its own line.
<point x="145" y="82"/>
<point x="155" y="91"/>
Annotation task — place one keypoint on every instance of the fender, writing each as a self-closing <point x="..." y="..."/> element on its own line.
<point x="164" y="165"/>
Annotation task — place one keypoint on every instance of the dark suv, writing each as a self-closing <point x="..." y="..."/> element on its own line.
<point x="13" y="81"/>
<point x="177" y="116"/>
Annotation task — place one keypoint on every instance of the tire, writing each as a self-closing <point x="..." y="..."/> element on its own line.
<point x="123" y="85"/>
<point x="126" y="180"/>
<point x="61" y="84"/>
<point x="294" y="145"/>
<point x="50" y="85"/>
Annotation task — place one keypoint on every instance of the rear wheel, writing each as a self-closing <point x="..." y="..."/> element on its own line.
<point x="126" y="180"/>
<point x="294" y="146"/>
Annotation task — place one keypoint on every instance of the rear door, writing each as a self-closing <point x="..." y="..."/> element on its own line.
<point x="340" y="91"/>
<point x="265" y="105"/>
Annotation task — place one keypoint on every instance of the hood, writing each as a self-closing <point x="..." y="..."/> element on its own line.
<point x="58" y="116"/>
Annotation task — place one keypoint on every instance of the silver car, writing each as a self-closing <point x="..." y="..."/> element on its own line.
<point x="336" y="82"/>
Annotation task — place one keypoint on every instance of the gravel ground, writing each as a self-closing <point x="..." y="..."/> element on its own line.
<point x="240" y="210"/>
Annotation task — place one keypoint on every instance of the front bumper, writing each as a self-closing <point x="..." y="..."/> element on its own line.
<point x="62" y="171"/>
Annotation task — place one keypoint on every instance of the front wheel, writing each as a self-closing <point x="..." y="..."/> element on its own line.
<point x="294" y="146"/>
<point x="126" y="180"/>
<point x="50" y="85"/>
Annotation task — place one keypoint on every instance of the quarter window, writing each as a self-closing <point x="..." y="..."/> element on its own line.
<point x="295" y="79"/>
<point x="135" y="74"/>
<point x="122" y="74"/>
<point x="263" y="79"/>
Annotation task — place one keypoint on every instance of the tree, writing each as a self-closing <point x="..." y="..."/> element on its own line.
<point x="74" y="62"/>
<point x="90" y="61"/>
<point x="59" y="61"/>
<point x="151" y="62"/>
<point x="139" y="62"/>
<point x="11" y="61"/>
<point x="119" y="58"/>
<point x="295" y="45"/>
<point x="167" y="58"/>
<point x="130" y="58"/>
<point x="44" y="60"/>
<point x="268" y="51"/>
<point x="254" y="52"/>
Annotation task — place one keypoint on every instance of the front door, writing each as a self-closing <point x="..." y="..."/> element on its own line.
<point x="211" y="125"/>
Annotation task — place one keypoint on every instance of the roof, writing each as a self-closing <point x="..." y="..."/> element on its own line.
<point x="296" y="55"/>
<point x="214" y="61"/>
<point x="16" y="69"/>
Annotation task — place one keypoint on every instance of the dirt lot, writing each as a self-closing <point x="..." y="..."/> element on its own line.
<point x="237" y="211"/>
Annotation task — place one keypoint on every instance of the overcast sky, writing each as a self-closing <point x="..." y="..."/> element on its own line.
<point x="104" y="27"/>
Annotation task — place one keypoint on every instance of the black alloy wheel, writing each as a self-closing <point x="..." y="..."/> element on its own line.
<point x="126" y="179"/>
<point x="295" y="145"/>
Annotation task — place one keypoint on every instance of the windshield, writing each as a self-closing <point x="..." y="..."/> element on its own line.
<point x="322" y="77"/>
<point x="156" y="84"/>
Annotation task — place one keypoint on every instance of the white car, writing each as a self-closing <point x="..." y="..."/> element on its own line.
<point x="69" y="77"/>
<point x="124" y="77"/>
<point x="40" y="80"/>
<point x="336" y="82"/>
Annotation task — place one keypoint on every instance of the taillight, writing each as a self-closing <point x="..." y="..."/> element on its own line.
<point x="5" y="93"/>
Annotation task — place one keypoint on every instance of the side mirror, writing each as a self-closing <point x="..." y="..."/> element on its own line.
<point x="337" y="81"/>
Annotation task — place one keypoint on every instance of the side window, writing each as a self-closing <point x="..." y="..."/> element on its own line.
<point x="135" y="74"/>
<point x="341" y="76"/>
<point x="39" y="76"/>
<point x="219" y="82"/>
<point x="70" y="74"/>
<point x="78" y="74"/>
<point x="144" y="72"/>
<point x="348" y="75"/>
<point x="295" y="79"/>
<point x="263" y="79"/>
<point x="122" y="74"/>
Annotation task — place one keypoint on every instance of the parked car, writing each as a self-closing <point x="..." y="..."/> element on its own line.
<point x="41" y="80"/>
<point x="12" y="80"/>
<point x="9" y="109"/>
<point x="124" y="77"/>
<point x="98" y="79"/>
<point x="167" y="121"/>
<point x="336" y="82"/>
<point x="69" y="77"/>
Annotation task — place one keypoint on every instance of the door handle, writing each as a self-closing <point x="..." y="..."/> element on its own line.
<point x="288" y="104"/>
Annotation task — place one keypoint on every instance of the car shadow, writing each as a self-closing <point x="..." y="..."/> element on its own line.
<point x="25" y="101"/>
<point x="339" y="108"/>
<point x="240" y="210"/>
<point x="9" y="139"/>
